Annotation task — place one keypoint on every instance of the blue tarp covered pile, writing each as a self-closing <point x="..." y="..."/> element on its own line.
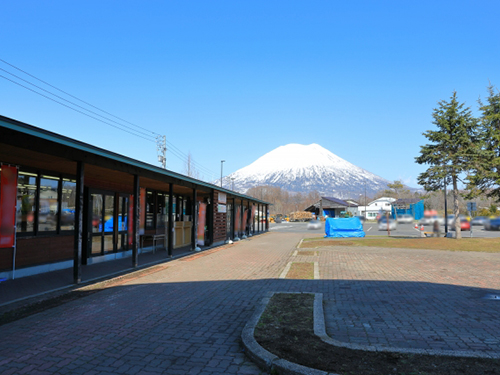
<point x="350" y="227"/>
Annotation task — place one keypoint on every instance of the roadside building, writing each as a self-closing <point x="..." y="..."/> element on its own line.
<point x="332" y="207"/>
<point x="372" y="209"/>
<point x="65" y="203"/>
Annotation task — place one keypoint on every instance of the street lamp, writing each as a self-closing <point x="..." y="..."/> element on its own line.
<point x="221" y="166"/>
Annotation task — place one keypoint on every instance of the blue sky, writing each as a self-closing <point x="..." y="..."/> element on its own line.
<point x="232" y="80"/>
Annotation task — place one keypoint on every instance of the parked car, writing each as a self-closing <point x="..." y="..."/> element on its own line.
<point x="495" y="224"/>
<point x="314" y="224"/>
<point x="464" y="224"/>
<point x="479" y="220"/>
<point x="405" y="219"/>
<point x="382" y="224"/>
<point x="429" y="220"/>
<point x="361" y="218"/>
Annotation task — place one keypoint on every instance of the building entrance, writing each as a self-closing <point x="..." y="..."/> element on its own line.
<point x="107" y="214"/>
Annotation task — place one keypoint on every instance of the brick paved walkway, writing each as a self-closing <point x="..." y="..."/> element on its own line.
<point x="187" y="318"/>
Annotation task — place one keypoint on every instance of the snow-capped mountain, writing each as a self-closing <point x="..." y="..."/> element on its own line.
<point x="306" y="168"/>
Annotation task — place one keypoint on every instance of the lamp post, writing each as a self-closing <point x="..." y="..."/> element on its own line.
<point x="221" y="167"/>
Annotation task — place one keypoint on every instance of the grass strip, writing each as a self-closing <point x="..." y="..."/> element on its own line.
<point x="286" y="330"/>
<point x="303" y="271"/>
<point x="488" y="245"/>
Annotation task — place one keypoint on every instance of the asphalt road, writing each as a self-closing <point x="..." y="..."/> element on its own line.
<point x="371" y="229"/>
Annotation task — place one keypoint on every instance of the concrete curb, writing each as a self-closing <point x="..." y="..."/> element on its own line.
<point x="272" y="363"/>
<point x="264" y="359"/>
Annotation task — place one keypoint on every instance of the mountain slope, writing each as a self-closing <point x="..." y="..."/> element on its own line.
<point x="306" y="168"/>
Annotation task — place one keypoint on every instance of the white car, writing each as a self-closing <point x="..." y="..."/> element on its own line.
<point x="314" y="224"/>
<point x="405" y="219"/>
<point x="382" y="224"/>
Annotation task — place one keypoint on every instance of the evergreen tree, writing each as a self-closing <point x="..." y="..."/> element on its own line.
<point x="453" y="150"/>
<point x="486" y="174"/>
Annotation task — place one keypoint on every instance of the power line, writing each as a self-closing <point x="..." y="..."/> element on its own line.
<point x="74" y="109"/>
<point x="79" y="106"/>
<point x="173" y="149"/>
<point x="74" y="97"/>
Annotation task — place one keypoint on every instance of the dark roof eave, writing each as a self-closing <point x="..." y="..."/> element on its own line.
<point x="24" y="128"/>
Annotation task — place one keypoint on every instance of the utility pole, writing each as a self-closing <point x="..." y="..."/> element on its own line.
<point x="221" y="168"/>
<point x="445" y="210"/>
<point x="161" y="148"/>
<point x="365" y="199"/>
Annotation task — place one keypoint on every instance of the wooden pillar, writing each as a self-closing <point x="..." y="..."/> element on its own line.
<point x="260" y="218"/>
<point x="233" y="219"/>
<point x="77" y="259"/>
<point x="267" y="219"/>
<point x="170" y="235"/>
<point x="210" y="221"/>
<point x="136" y="222"/>
<point x="194" y="228"/>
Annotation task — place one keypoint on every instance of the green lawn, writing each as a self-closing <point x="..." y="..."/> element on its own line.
<point x="489" y="245"/>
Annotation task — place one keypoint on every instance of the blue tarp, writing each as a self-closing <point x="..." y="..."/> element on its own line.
<point x="350" y="227"/>
<point x="415" y="209"/>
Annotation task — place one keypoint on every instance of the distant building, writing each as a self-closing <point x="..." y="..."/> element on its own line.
<point x="332" y="207"/>
<point x="371" y="210"/>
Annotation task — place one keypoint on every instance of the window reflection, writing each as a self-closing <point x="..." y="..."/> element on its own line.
<point x="96" y="213"/>
<point x="109" y="207"/>
<point x="48" y="207"/>
<point x="26" y="197"/>
<point x="68" y="200"/>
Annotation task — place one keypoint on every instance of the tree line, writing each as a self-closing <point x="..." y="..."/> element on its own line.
<point x="463" y="149"/>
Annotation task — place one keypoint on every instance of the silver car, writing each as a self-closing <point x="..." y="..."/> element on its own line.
<point x="382" y="224"/>
<point x="405" y="219"/>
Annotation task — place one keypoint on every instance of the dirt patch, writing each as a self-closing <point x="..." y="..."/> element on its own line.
<point x="308" y="253"/>
<point x="321" y="243"/>
<point x="301" y="271"/>
<point x="286" y="330"/>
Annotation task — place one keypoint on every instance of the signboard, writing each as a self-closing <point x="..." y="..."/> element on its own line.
<point x="223" y="198"/>
<point x="471" y="206"/>
<point x="221" y="208"/>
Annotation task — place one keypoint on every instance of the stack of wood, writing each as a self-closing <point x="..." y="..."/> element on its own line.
<point x="301" y="216"/>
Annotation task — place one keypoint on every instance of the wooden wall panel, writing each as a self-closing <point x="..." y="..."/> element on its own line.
<point x="38" y="250"/>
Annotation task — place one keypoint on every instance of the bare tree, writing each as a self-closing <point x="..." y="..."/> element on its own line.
<point x="189" y="168"/>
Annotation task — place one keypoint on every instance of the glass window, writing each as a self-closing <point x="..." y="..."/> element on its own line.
<point x="150" y="209"/>
<point x="109" y="209"/>
<point x="162" y="210"/>
<point x="26" y="198"/>
<point x="68" y="201"/>
<point x="48" y="205"/>
<point x="122" y="218"/>
<point x="96" y="213"/>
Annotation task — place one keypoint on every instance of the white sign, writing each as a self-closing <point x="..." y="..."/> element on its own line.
<point x="222" y="198"/>
<point x="221" y="208"/>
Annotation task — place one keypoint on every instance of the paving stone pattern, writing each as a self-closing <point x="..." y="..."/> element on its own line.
<point x="188" y="317"/>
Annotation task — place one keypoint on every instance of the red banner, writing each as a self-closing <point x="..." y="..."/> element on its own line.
<point x="8" y="196"/>
<point x="237" y="220"/>
<point x="244" y="221"/>
<point x="202" y="214"/>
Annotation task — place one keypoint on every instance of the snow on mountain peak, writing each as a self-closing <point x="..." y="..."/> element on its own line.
<point x="305" y="168"/>
<point x="295" y="157"/>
